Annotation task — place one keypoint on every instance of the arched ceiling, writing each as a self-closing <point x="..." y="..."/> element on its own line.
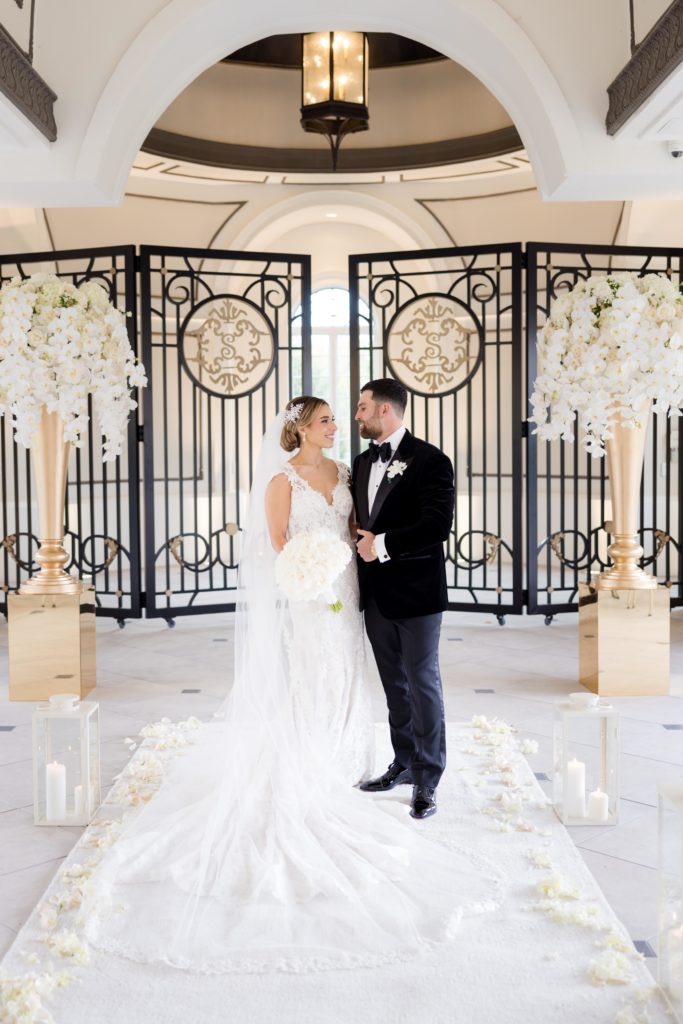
<point x="243" y="114"/>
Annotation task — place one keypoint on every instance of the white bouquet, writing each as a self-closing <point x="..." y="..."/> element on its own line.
<point x="309" y="565"/>
<point x="58" y="344"/>
<point x="609" y="346"/>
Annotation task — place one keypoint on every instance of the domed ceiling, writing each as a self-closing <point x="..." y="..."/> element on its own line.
<point x="243" y="114"/>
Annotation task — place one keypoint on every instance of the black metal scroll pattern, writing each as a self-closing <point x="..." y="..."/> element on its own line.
<point x="234" y="347"/>
<point x="588" y="554"/>
<point x="493" y="549"/>
<point x="211" y="398"/>
<point x="428" y="347"/>
<point x="577" y="481"/>
<point x="83" y="557"/>
<point x="464" y="416"/>
<point x="102" y="498"/>
<point x="210" y="549"/>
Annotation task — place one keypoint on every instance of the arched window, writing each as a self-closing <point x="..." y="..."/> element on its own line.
<point x="330" y="358"/>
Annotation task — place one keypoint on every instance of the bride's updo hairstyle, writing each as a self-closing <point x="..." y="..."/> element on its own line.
<point x="299" y="412"/>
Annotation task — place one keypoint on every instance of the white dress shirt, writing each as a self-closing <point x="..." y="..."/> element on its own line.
<point x="377" y="471"/>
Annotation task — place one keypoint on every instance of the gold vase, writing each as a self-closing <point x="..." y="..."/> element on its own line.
<point x="625" y="455"/>
<point x="50" y="458"/>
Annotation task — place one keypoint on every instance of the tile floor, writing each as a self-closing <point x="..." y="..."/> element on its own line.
<point x="517" y="672"/>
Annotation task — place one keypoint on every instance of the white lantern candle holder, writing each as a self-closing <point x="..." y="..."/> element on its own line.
<point x="670" y="952"/>
<point x="586" y="761"/>
<point x="66" y="761"/>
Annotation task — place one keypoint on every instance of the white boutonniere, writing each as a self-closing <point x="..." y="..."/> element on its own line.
<point x="396" y="469"/>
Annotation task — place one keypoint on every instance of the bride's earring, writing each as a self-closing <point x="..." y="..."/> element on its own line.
<point x="303" y="435"/>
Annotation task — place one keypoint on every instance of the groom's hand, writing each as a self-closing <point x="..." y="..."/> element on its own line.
<point x="366" y="545"/>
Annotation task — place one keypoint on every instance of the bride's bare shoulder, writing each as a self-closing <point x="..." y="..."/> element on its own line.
<point x="279" y="484"/>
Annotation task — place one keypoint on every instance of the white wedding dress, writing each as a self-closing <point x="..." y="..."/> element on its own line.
<point x="326" y="654"/>
<point x="257" y="853"/>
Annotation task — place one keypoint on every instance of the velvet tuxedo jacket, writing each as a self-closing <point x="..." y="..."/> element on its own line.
<point x="414" y="509"/>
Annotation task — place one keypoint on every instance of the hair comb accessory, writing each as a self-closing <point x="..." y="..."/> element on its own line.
<point x="292" y="415"/>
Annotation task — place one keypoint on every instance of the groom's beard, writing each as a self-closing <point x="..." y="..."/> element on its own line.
<point x="370" y="431"/>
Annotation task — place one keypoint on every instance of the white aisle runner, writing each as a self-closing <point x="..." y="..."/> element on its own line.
<point x="553" y="952"/>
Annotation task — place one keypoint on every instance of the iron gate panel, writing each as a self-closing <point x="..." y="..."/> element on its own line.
<point x="567" y="505"/>
<point x="226" y="342"/>
<point x="447" y="323"/>
<point x="102" y="499"/>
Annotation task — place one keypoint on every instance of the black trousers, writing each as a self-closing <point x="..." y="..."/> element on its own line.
<point x="407" y="656"/>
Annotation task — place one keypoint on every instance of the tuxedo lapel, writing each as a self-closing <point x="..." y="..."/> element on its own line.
<point x="362" y="478"/>
<point x="404" y="453"/>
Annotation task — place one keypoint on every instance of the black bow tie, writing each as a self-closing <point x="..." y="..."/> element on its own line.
<point x="380" y="451"/>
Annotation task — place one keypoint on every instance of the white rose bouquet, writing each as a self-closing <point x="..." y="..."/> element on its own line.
<point x="309" y="565"/>
<point x="58" y="344"/>
<point x="609" y="347"/>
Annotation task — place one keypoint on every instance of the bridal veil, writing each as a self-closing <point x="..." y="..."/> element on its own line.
<point x="256" y="854"/>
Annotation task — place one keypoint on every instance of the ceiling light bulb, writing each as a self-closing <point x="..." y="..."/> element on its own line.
<point x="330" y="214"/>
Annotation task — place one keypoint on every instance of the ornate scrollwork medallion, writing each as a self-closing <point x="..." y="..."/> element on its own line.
<point x="433" y="344"/>
<point x="228" y="346"/>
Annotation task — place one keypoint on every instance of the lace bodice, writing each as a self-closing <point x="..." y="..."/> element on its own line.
<point x="310" y="509"/>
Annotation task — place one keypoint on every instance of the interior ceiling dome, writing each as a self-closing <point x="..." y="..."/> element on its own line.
<point x="243" y="113"/>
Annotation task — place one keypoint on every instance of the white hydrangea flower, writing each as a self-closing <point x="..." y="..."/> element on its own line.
<point x="59" y="344"/>
<point x="609" y="346"/>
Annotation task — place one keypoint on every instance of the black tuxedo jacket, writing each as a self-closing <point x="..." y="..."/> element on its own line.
<point x="414" y="509"/>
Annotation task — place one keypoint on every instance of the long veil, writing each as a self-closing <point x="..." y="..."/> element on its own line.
<point x="256" y="854"/>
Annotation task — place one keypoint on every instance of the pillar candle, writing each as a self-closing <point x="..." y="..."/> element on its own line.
<point x="79" y="805"/>
<point x="55" y="791"/>
<point x="598" y="805"/>
<point x="575" y="794"/>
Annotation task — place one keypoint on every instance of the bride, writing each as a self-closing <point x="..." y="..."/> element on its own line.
<point x="257" y="853"/>
<point x="312" y="492"/>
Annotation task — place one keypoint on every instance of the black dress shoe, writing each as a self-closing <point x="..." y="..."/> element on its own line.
<point x="393" y="776"/>
<point x="423" y="804"/>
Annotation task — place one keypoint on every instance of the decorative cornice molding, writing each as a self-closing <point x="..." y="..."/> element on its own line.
<point x="316" y="161"/>
<point x="24" y="87"/>
<point x="660" y="53"/>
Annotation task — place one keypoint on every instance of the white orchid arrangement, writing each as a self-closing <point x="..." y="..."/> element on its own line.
<point x="609" y="346"/>
<point x="60" y="343"/>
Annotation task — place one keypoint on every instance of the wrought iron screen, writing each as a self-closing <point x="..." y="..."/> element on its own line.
<point x="226" y="342"/>
<point x="568" y="505"/>
<point x="102" y="499"/>
<point x="447" y="323"/>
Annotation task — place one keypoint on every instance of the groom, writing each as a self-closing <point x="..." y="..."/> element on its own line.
<point x="404" y="496"/>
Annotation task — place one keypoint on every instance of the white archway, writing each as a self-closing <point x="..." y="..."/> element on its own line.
<point x="186" y="37"/>
<point x="400" y="230"/>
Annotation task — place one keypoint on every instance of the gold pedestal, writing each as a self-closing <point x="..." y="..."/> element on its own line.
<point x="624" y="640"/>
<point x="51" y="644"/>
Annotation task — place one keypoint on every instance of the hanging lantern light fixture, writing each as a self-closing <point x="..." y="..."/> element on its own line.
<point x="334" y="86"/>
